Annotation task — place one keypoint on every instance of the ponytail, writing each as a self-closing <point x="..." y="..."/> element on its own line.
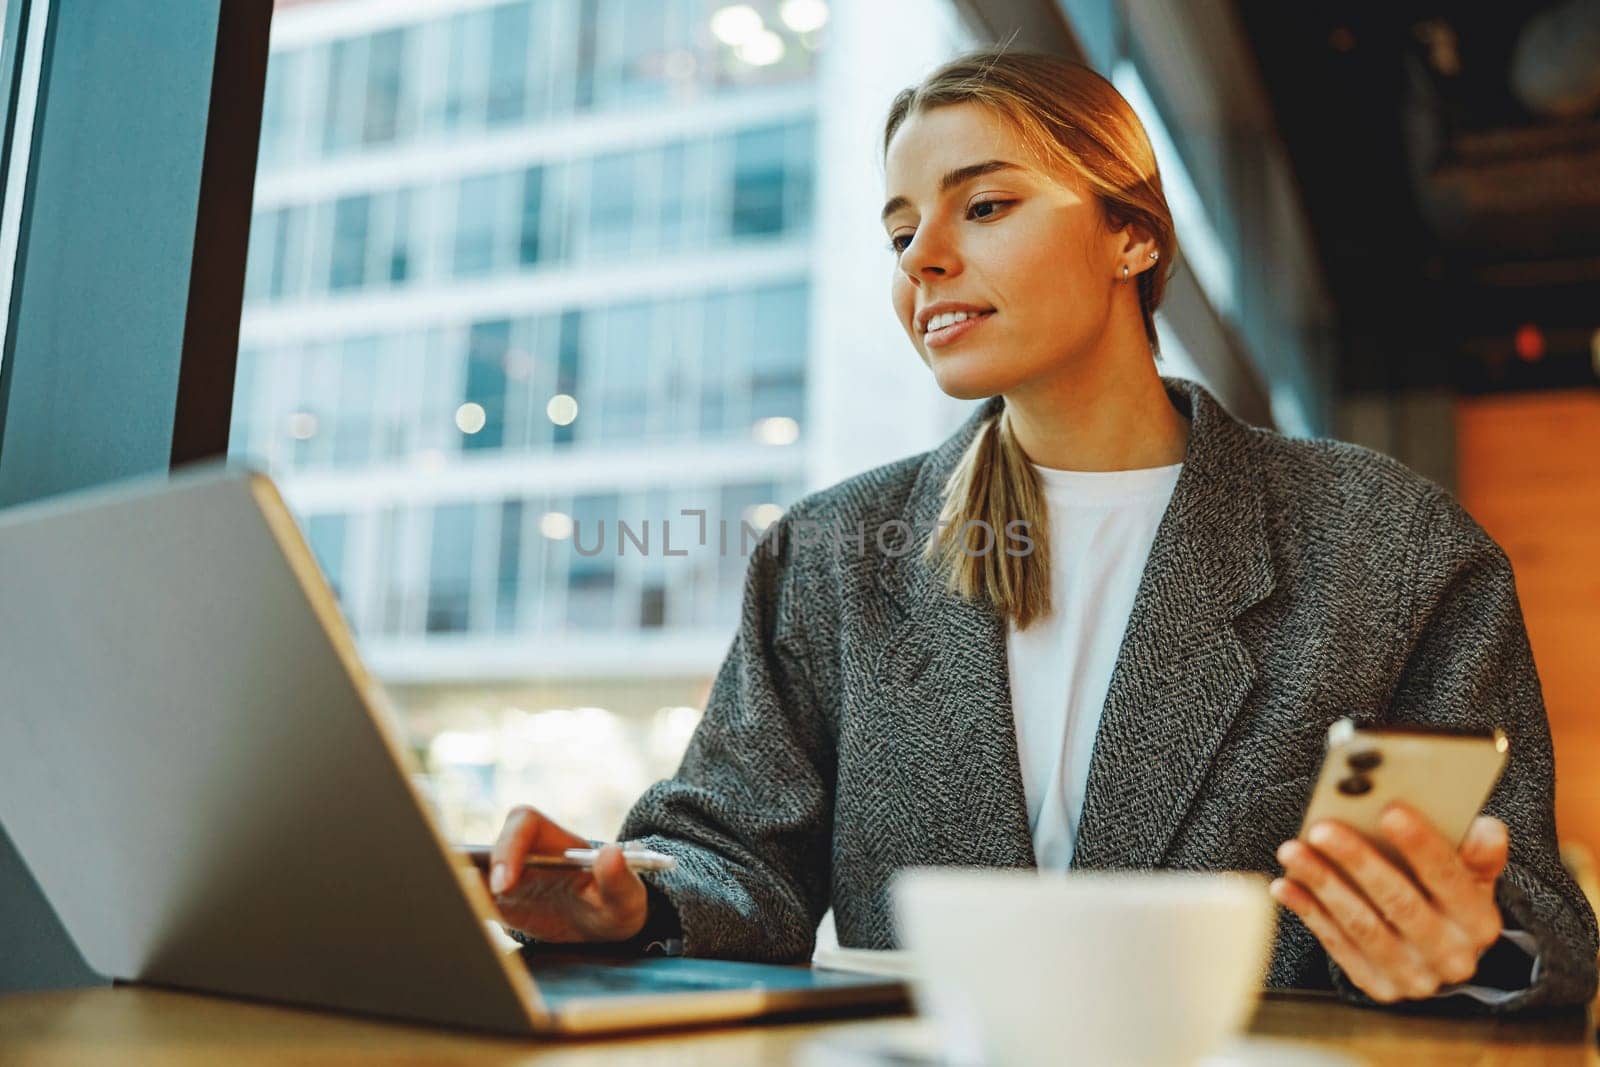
<point x="993" y="538"/>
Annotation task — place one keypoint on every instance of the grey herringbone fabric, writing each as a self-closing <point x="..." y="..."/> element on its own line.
<point x="861" y="721"/>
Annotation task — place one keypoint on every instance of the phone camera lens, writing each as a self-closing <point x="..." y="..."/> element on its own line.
<point x="1364" y="761"/>
<point x="1355" y="785"/>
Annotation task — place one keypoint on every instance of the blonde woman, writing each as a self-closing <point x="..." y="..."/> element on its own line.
<point x="1129" y="625"/>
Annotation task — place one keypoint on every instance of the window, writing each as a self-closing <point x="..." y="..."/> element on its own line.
<point x="450" y="572"/>
<point x="530" y="239"/>
<point x="325" y="533"/>
<point x="476" y="225"/>
<point x="682" y="196"/>
<point x="621" y="392"/>
<point x="398" y="265"/>
<point x="612" y="191"/>
<point x="345" y="94"/>
<point x="778" y="353"/>
<point x="347" y="266"/>
<point x="485" y="386"/>
<point x="759" y="168"/>
<point x="509" y="573"/>
<point x="592" y="574"/>
<point x="467" y="77"/>
<point x="386" y="56"/>
<point x="508" y="64"/>
<point x="354" y="421"/>
<point x="466" y="335"/>
<point x="282" y="114"/>
<point x="264" y="267"/>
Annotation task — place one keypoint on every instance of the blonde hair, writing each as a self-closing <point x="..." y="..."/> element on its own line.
<point x="1073" y="119"/>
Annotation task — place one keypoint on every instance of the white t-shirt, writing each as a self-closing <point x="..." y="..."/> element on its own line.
<point x="1102" y="524"/>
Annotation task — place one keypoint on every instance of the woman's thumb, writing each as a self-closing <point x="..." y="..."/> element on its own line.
<point x="621" y="890"/>
<point x="1485" y="847"/>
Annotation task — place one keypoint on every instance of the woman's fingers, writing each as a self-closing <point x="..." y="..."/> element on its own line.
<point x="606" y="903"/>
<point x="1459" y="884"/>
<point x="1443" y="933"/>
<point x="1401" y="967"/>
<point x="1486" y="848"/>
<point x="619" y="894"/>
<point x="1362" y="971"/>
<point x="525" y="832"/>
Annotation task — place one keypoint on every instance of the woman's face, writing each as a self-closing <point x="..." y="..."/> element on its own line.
<point x="1014" y="239"/>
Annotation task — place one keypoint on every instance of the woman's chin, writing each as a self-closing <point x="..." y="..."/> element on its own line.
<point x="967" y="378"/>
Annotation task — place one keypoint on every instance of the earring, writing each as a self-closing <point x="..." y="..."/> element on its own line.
<point x="1124" y="272"/>
<point x="1155" y="255"/>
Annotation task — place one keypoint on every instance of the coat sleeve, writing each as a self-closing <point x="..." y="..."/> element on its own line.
<point x="1465" y="662"/>
<point x="748" y="815"/>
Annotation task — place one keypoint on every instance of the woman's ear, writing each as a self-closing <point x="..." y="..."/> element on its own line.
<point x="1137" y="241"/>
<point x="1131" y="240"/>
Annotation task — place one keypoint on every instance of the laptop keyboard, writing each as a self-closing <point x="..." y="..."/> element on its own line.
<point x="573" y="979"/>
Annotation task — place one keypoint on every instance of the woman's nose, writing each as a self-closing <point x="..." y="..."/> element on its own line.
<point x="926" y="255"/>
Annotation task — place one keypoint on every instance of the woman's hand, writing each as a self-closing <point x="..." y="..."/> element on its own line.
<point x="1397" y="937"/>
<point x="562" y="904"/>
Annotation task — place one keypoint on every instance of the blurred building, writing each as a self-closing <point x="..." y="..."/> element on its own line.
<point x="524" y="274"/>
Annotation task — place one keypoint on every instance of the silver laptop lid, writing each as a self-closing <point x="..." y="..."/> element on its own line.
<point x="203" y="778"/>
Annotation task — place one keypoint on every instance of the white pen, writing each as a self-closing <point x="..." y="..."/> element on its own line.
<point x="637" y="858"/>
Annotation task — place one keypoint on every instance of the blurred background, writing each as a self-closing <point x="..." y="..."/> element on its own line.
<point x="529" y="269"/>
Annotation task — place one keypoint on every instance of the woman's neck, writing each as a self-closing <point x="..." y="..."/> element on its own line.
<point x="1107" y="422"/>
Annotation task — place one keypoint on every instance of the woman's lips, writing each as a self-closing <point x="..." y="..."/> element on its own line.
<point x="951" y="334"/>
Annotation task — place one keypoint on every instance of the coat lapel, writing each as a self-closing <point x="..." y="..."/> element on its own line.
<point x="942" y="677"/>
<point x="1182" y="672"/>
<point x="1180" y="676"/>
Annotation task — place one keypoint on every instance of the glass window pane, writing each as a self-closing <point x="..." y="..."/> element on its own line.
<point x="475" y="225"/>
<point x="486" y="383"/>
<point x="528" y="245"/>
<point x="400" y="255"/>
<point x="509" y="578"/>
<point x="675" y="198"/>
<point x="759" y="165"/>
<point x="591" y="572"/>
<point x="625" y="387"/>
<point x="777" y="363"/>
<point x="353" y="421"/>
<point x="288" y="254"/>
<point x="281" y="115"/>
<point x="634" y="42"/>
<point x="450" y="572"/>
<point x="261" y="261"/>
<point x="508" y="63"/>
<point x="325" y="533"/>
<point x="587" y="53"/>
<point x="345" y="93"/>
<point x="612" y="191"/>
<point x="347" y="267"/>
<point x="385" y="59"/>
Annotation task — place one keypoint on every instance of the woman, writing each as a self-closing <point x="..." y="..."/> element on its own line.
<point x="1113" y="565"/>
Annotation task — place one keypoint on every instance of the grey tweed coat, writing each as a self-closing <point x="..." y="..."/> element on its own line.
<point x="861" y="721"/>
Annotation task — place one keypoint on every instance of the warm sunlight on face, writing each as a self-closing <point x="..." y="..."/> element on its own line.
<point x="1013" y="239"/>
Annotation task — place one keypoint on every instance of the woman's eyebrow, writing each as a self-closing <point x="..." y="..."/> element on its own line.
<point x="954" y="178"/>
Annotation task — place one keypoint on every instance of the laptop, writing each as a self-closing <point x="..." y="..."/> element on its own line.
<point x="210" y="789"/>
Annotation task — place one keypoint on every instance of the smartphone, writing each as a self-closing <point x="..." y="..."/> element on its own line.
<point x="1445" y="775"/>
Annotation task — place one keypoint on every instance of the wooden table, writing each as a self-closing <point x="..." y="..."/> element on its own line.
<point x="132" y="1025"/>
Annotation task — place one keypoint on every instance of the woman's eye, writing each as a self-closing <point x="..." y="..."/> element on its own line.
<point x="894" y="242"/>
<point x="989" y="203"/>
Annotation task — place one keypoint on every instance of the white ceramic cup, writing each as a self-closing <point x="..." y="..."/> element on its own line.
<point x="1123" y="969"/>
